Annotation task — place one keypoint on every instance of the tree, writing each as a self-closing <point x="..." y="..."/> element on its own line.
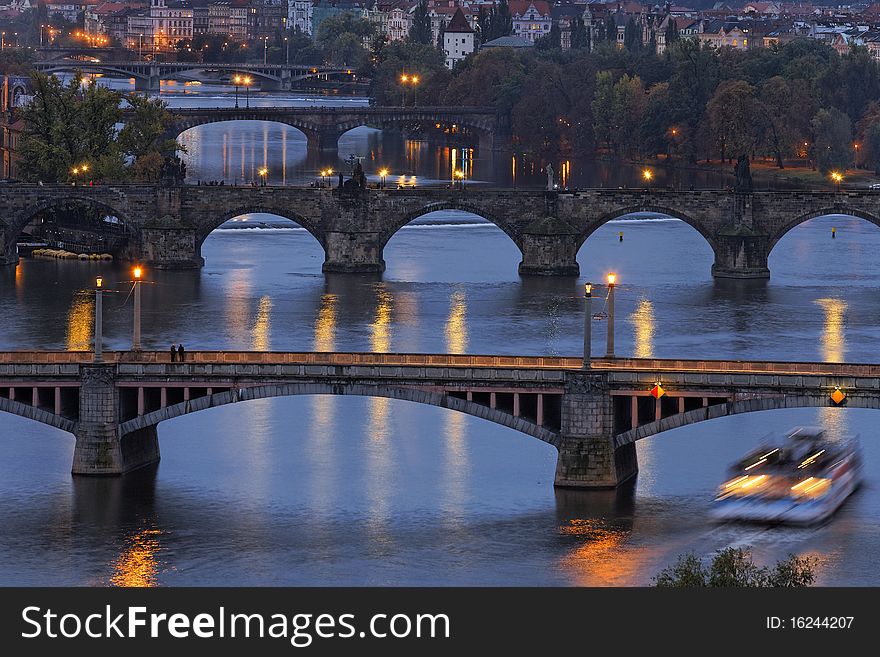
<point x="632" y="38"/>
<point x="832" y="142"/>
<point x="144" y="140"/>
<point x="628" y="107"/>
<point x="550" y="41"/>
<point x="671" y="32"/>
<point x="579" y="36"/>
<point x="420" y="30"/>
<point x="779" y="128"/>
<point x="603" y="109"/>
<point x="734" y="567"/>
<point x="68" y="125"/>
<point x="732" y="113"/>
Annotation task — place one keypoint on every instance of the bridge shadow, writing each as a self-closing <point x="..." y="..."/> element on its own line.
<point x="752" y="290"/>
<point x="113" y="503"/>
<point x="617" y="505"/>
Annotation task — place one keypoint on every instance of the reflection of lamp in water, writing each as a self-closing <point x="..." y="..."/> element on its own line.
<point x="643" y="321"/>
<point x="833" y="339"/>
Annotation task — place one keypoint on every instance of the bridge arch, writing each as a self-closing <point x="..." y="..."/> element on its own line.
<point x="618" y="213"/>
<point x="765" y="403"/>
<point x="796" y="221"/>
<point x="180" y="126"/>
<point x="286" y="390"/>
<point x="206" y="228"/>
<point x="462" y="205"/>
<point x="36" y="414"/>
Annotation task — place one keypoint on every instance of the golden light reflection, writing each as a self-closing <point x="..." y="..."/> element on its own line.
<point x="456" y="324"/>
<point x="603" y="558"/>
<point x="379" y="484"/>
<point x="137" y="565"/>
<point x="456" y="462"/>
<point x="325" y="324"/>
<point x="380" y="329"/>
<point x="643" y="322"/>
<point x="833" y="338"/>
<point x="565" y="173"/>
<point x="263" y="325"/>
<point x="237" y="309"/>
<point x="80" y="321"/>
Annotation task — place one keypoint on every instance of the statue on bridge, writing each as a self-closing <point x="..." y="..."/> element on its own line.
<point x="358" y="180"/>
<point x="550" y="183"/>
<point x="173" y="171"/>
<point x="743" y="180"/>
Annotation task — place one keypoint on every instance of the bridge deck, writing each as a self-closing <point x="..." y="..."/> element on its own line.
<point x="451" y="360"/>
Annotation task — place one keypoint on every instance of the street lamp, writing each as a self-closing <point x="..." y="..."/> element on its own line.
<point x="246" y="82"/>
<point x="138" y="272"/>
<point x="287" y="49"/>
<point x="647" y="175"/>
<point x="99" y="312"/>
<point x="382" y="174"/>
<point x="236" y="79"/>
<point x="264" y="174"/>
<point x="265" y="49"/>
<point x="588" y="327"/>
<point x="837" y="177"/>
<point x="460" y="175"/>
<point x="612" y="281"/>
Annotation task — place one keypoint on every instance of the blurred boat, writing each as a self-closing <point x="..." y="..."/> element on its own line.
<point x="801" y="478"/>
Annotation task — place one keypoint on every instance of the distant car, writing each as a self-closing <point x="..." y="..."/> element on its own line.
<point x="874" y="185"/>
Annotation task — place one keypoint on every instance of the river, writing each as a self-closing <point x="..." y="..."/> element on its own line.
<point x="350" y="491"/>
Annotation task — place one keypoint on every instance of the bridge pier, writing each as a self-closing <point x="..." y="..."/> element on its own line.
<point x="150" y="84"/>
<point x="741" y="254"/>
<point x="325" y="141"/>
<point x="587" y="456"/>
<point x="170" y="248"/>
<point x="8" y="251"/>
<point x="549" y="248"/>
<point x="350" y="252"/>
<point x="100" y="449"/>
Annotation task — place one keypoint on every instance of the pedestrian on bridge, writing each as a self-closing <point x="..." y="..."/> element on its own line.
<point x="181" y="354"/>
<point x="173" y="352"/>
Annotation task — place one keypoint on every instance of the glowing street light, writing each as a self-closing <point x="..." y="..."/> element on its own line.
<point x="412" y="80"/>
<point x="236" y="80"/>
<point x="837" y="177"/>
<point x="647" y="175"/>
<point x="246" y="83"/>
<point x="612" y="281"/>
<point x="458" y="173"/>
<point x="382" y="174"/>
<point x="264" y="174"/>
<point x="137" y="273"/>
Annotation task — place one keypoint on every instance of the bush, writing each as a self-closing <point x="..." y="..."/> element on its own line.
<point x="734" y="567"/>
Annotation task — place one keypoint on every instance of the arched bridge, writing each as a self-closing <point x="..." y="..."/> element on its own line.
<point x="148" y="74"/>
<point x="324" y="125"/>
<point x="592" y="416"/>
<point x="169" y="224"/>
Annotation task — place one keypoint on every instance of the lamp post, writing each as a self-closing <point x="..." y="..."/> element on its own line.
<point x="612" y="279"/>
<point x="246" y="81"/>
<point x="588" y="326"/>
<point x="99" y="313"/>
<point x="287" y="49"/>
<point x="647" y="176"/>
<point x="403" y="80"/>
<point x="136" y="338"/>
<point x="415" y="83"/>
<point x="460" y="175"/>
<point x="235" y="80"/>
<point x="264" y="174"/>
<point x="382" y="174"/>
<point x="837" y="177"/>
<point x="265" y="49"/>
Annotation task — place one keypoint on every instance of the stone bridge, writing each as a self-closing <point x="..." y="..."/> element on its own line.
<point x="148" y="74"/>
<point x="323" y="126"/>
<point x="169" y="224"/>
<point x="592" y="416"/>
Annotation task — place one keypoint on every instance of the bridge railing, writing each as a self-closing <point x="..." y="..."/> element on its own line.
<point x="657" y="365"/>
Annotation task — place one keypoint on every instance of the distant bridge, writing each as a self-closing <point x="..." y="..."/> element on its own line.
<point x="167" y="225"/>
<point x="592" y="416"/>
<point x="148" y="74"/>
<point x="324" y="125"/>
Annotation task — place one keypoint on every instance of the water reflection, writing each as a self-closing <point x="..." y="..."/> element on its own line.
<point x="80" y="320"/>
<point x="380" y="329"/>
<point x="643" y="322"/>
<point x="137" y="565"/>
<point x="262" y="326"/>
<point x="833" y="338"/>
<point x="325" y="323"/>
<point x="456" y="325"/>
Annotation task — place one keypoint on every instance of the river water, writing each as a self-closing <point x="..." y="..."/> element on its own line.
<point x="349" y="491"/>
